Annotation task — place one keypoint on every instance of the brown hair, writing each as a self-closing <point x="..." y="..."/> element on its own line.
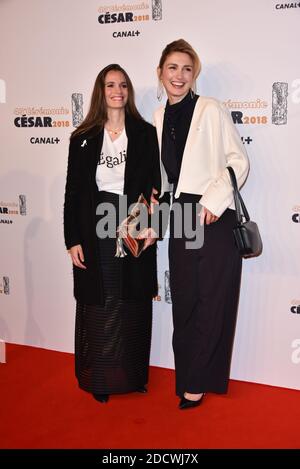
<point x="97" y="114"/>
<point x="181" y="46"/>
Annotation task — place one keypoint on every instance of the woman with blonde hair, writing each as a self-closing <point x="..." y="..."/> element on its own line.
<point x="197" y="142"/>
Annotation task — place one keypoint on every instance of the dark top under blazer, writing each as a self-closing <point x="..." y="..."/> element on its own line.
<point x="138" y="275"/>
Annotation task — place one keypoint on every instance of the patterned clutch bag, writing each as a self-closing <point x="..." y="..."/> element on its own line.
<point x="127" y="231"/>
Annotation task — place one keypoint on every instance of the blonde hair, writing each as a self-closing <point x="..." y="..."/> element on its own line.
<point x="180" y="45"/>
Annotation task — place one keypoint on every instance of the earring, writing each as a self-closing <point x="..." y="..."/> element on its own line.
<point x="193" y="90"/>
<point x="160" y="90"/>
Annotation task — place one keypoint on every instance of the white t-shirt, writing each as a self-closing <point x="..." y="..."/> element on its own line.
<point x="111" y="165"/>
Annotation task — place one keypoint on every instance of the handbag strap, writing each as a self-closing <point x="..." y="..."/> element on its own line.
<point x="240" y="207"/>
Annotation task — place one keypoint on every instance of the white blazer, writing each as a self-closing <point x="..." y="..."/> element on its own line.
<point x="213" y="143"/>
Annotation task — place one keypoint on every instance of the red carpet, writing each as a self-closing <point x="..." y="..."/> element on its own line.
<point x="41" y="406"/>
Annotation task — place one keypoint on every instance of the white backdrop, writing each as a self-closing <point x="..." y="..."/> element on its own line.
<point x="52" y="49"/>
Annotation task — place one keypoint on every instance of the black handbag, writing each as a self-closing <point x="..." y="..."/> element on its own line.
<point x="246" y="232"/>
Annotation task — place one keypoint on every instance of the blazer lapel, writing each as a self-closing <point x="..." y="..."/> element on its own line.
<point x="94" y="150"/>
<point x="134" y="132"/>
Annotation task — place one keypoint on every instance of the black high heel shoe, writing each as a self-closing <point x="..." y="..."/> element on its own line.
<point x="188" y="404"/>
<point x="142" y="389"/>
<point x="103" y="398"/>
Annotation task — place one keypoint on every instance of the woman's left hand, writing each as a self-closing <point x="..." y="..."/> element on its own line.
<point x="150" y="236"/>
<point x="207" y="217"/>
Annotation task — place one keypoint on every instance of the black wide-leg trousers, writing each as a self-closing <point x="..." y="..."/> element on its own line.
<point x="205" y="284"/>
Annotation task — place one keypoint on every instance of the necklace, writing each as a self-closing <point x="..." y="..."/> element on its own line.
<point x="115" y="131"/>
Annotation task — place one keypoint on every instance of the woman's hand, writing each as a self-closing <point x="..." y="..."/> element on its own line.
<point x="150" y="236"/>
<point x="77" y="256"/>
<point x="153" y="200"/>
<point x="207" y="217"/>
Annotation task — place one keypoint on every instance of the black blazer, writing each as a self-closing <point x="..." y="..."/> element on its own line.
<point x="138" y="275"/>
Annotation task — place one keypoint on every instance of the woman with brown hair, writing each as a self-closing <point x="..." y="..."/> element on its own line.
<point x="198" y="141"/>
<point x="113" y="155"/>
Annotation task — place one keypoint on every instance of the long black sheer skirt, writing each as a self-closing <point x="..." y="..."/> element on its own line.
<point x="112" y="342"/>
<point x="205" y="286"/>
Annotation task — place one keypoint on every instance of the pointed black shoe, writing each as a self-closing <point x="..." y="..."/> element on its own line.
<point x="187" y="404"/>
<point x="103" y="398"/>
<point x="142" y="389"/>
